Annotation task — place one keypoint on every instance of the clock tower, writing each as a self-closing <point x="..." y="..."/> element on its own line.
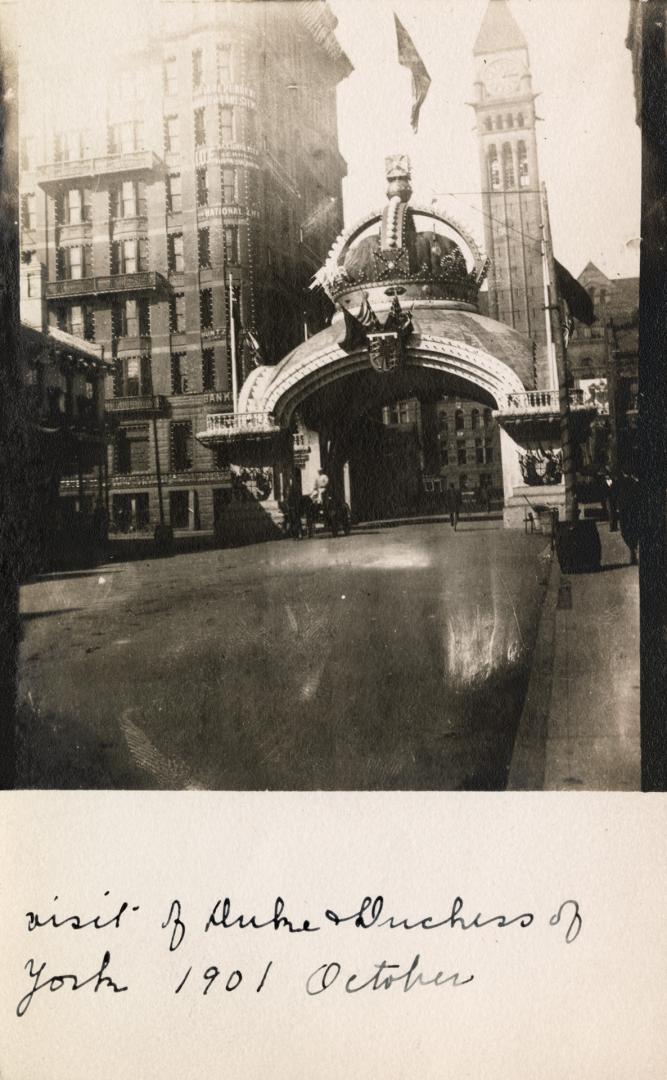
<point x="511" y="197"/>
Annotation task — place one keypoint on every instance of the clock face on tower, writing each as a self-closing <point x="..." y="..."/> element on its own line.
<point x="503" y="78"/>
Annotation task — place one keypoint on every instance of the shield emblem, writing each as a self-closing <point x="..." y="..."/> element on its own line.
<point x="384" y="351"/>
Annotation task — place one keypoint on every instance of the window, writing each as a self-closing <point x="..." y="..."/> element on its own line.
<point x="252" y="186"/>
<point x="197" y="68"/>
<point x="202" y="186"/>
<point x="131" y="448"/>
<point x="122" y="138"/>
<point x="78" y="320"/>
<point x="204" y="248"/>
<point x="206" y="308"/>
<point x="223" y="63"/>
<point x="474" y="419"/>
<point x="179" y="373"/>
<point x="132" y="376"/>
<point x="181" y="446"/>
<point x="494" y="169"/>
<point x="250" y="126"/>
<point x="488" y="123"/>
<point x="174" y="198"/>
<point x="229" y="185"/>
<point x="179" y="509"/>
<point x="208" y="369"/>
<point x="226" y="123"/>
<point x="499" y="123"/>
<point x="171" y="135"/>
<point x="232" y="244"/>
<point x="444" y="455"/>
<point x="74" y="263"/>
<point x="29" y="211"/>
<point x="200" y="127"/>
<point x="462" y="456"/>
<point x="509" y="120"/>
<point x="488" y="418"/>
<point x="523" y="165"/>
<point x="479" y="452"/>
<point x="170" y="75"/>
<point x="443" y="424"/>
<point x="133" y="318"/>
<point x="128" y="199"/>
<point x="175" y="252"/>
<point x="488" y="452"/>
<point x="508" y="166"/>
<point x="459" y="421"/>
<point x="519" y="120"/>
<point x="118" y="320"/>
<point x="129" y="256"/>
<point x="177" y="313"/>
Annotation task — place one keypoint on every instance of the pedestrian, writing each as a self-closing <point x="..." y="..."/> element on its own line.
<point x="610" y="499"/>
<point x="628" y="513"/>
<point x="294" y="512"/>
<point x="453" y="505"/>
<point x="320" y="487"/>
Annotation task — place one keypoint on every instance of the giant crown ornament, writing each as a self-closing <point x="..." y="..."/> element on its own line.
<point x="409" y="251"/>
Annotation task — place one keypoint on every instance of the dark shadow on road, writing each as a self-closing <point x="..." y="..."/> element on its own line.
<point x="616" y="566"/>
<point x="27" y="616"/>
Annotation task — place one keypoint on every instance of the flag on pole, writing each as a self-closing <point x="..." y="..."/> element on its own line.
<point x="252" y="347"/>
<point x="574" y="294"/>
<point x="410" y="58"/>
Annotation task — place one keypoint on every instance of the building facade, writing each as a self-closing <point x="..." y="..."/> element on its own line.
<point x="182" y="232"/>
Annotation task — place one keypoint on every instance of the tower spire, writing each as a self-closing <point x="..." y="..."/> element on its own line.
<point x="499" y="30"/>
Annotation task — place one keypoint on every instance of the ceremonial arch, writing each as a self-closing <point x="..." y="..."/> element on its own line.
<point x="405" y="282"/>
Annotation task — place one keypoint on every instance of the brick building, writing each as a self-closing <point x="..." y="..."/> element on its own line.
<point x="186" y="225"/>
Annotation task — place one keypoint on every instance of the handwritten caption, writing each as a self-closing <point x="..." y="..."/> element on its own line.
<point x="371" y="915"/>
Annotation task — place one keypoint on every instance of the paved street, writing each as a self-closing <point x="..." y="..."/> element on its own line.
<point x="395" y="658"/>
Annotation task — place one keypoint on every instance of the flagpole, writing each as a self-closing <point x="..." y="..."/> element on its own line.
<point x="554" y="310"/>
<point x="232" y="341"/>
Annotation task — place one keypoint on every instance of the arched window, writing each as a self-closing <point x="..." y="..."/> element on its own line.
<point x="458" y="420"/>
<point x="494" y="169"/>
<point x="509" y="120"/>
<point x="474" y="419"/>
<point x="508" y="166"/>
<point x="523" y="165"/>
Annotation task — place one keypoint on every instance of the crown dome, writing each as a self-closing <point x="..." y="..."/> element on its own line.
<point x="403" y="250"/>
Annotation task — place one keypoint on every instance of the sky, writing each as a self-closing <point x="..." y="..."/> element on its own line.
<point x="589" y="145"/>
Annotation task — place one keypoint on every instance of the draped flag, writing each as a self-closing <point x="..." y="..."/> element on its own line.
<point x="410" y="58"/>
<point x="574" y="294"/>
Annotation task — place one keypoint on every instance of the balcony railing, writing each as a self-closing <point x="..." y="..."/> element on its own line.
<point x="134" y="161"/>
<point x="146" y="403"/>
<point x="234" y="425"/>
<point x="540" y="402"/>
<point x="144" y="281"/>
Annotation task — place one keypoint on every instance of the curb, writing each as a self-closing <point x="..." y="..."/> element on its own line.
<point x="528" y="766"/>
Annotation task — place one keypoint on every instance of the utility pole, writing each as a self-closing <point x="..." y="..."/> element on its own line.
<point x="556" y="316"/>
<point x="232" y="342"/>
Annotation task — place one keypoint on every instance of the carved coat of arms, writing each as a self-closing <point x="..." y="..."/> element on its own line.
<point x="384" y="350"/>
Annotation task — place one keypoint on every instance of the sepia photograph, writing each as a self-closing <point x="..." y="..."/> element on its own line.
<point x="326" y="415"/>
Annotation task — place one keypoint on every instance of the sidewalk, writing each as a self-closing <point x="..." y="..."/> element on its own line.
<point x="579" y="729"/>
